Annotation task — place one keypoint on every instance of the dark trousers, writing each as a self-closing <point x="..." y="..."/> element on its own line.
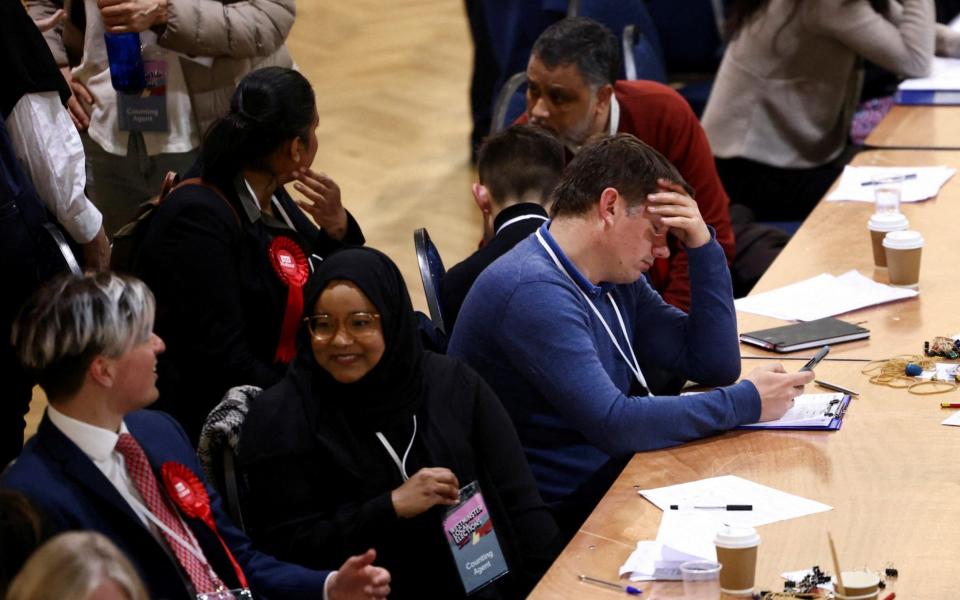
<point x="774" y="193"/>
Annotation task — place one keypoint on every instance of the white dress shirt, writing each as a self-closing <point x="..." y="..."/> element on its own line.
<point x="49" y="148"/>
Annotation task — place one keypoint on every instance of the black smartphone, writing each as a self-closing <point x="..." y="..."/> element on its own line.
<point x="816" y="359"/>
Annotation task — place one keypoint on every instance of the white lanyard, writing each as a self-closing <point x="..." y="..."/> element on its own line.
<point x="401" y="464"/>
<point x="190" y="545"/>
<point x="633" y="365"/>
<point x="517" y="220"/>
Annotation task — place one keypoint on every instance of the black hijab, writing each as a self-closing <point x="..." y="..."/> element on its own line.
<point x="26" y="64"/>
<point x="391" y="392"/>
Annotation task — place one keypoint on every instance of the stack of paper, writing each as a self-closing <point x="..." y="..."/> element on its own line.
<point x="923" y="183"/>
<point x="687" y="534"/>
<point x="808" y="411"/>
<point x="822" y="296"/>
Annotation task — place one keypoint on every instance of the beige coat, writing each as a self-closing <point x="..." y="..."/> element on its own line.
<point x="786" y="88"/>
<point x="240" y="36"/>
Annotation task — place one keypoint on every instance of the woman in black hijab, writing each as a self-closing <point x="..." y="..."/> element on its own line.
<point x="368" y="439"/>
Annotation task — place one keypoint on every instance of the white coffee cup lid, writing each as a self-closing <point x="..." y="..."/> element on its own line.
<point x="903" y="240"/>
<point x="888" y="222"/>
<point x="730" y="536"/>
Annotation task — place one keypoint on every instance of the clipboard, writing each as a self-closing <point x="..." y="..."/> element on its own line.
<point x="830" y="420"/>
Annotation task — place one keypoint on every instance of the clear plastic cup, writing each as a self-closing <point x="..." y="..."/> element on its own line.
<point x="887" y="199"/>
<point x="701" y="580"/>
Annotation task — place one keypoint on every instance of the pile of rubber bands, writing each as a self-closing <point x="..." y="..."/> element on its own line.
<point x="901" y="372"/>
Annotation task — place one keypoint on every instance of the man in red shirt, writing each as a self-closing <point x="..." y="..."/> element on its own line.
<point x="572" y="91"/>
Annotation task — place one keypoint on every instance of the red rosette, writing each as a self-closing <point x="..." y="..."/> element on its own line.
<point x="189" y="495"/>
<point x="291" y="266"/>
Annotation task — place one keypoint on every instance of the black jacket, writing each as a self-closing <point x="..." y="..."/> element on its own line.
<point x="220" y="305"/>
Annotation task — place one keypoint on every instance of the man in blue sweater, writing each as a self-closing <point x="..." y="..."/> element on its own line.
<point x="563" y="325"/>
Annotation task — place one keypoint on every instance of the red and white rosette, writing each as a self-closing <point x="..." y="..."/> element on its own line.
<point x="189" y="494"/>
<point x="291" y="266"/>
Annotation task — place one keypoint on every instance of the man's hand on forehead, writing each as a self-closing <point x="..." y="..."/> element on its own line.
<point x="672" y="208"/>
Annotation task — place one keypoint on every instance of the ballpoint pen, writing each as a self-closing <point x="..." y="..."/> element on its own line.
<point x="628" y="589"/>
<point x="835" y="387"/>
<point x="892" y="179"/>
<point x="718" y="507"/>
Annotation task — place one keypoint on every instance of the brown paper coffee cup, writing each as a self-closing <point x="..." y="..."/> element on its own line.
<point x="903" y="250"/>
<point x="737" y="552"/>
<point x="879" y="226"/>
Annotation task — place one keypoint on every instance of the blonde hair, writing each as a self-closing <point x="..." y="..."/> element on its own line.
<point x="71" y="566"/>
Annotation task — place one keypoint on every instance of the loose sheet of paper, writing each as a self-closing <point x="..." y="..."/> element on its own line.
<point x="808" y="410"/>
<point x="822" y="296"/>
<point x="953" y="419"/>
<point x="941" y="372"/>
<point x="926" y="183"/>
<point x="769" y="505"/>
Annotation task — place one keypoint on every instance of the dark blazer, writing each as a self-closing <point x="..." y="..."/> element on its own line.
<point x="73" y="494"/>
<point x="220" y="304"/>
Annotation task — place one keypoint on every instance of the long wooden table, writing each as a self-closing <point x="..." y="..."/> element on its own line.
<point x="891" y="473"/>
<point x="928" y="127"/>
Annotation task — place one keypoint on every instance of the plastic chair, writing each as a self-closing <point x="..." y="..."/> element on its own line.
<point x="641" y="60"/>
<point x="511" y="102"/>
<point x="431" y="273"/>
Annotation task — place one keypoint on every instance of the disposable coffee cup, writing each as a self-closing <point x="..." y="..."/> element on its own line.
<point x="880" y="224"/>
<point x="903" y="249"/>
<point x="737" y="552"/>
<point x="859" y="585"/>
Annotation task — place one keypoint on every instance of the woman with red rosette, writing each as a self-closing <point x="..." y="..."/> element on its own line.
<point x="227" y="256"/>
<point x="368" y="441"/>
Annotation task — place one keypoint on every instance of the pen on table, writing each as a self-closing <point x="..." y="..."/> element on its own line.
<point x="835" y="387"/>
<point x="950" y="405"/>
<point x="718" y="507"/>
<point x="629" y="589"/>
<point x="893" y="179"/>
<point x="890" y="596"/>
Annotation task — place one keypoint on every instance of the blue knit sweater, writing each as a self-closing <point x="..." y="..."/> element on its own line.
<point x="527" y="329"/>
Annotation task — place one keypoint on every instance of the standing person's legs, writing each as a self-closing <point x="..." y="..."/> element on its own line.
<point x="122" y="183"/>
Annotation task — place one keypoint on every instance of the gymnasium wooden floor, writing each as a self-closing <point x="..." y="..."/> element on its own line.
<point x="392" y="81"/>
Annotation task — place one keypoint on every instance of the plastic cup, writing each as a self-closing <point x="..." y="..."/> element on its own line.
<point x="701" y="580"/>
<point x="903" y="250"/>
<point x="737" y="552"/>
<point x="880" y="224"/>
<point x="887" y="199"/>
<point x="859" y="585"/>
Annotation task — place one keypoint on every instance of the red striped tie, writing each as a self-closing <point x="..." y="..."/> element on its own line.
<point x="202" y="576"/>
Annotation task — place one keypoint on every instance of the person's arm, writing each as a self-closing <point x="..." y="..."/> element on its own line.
<point x="49" y="147"/>
<point x="196" y="261"/>
<point x="903" y="45"/>
<point x="558" y="355"/>
<point x="232" y="29"/>
<point x="498" y="447"/>
<point x="947" y="41"/>
<point x="42" y="10"/>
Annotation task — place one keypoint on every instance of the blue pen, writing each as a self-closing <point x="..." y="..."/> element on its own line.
<point x="629" y="589"/>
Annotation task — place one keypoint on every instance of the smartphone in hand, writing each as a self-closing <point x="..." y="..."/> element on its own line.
<point x="816" y="359"/>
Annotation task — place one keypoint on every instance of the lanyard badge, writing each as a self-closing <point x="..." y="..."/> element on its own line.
<point x="473" y="541"/>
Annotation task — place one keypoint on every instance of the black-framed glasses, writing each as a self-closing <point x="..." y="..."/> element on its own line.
<point x="358" y="325"/>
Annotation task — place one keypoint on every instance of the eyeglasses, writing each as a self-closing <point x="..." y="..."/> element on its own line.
<point x="358" y="325"/>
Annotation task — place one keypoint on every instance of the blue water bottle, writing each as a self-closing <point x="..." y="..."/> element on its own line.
<point x="126" y="62"/>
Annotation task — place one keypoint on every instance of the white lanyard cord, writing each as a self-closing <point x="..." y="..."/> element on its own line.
<point x="401" y="464"/>
<point x="633" y="365"/>
<point x="517" y="220"/>
<point x="191" y="545"/>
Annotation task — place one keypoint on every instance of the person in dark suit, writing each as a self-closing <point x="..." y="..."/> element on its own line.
<point x="227" y="258"/>
<point x="517" y="168"/>
<point x="99" y="462"/>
